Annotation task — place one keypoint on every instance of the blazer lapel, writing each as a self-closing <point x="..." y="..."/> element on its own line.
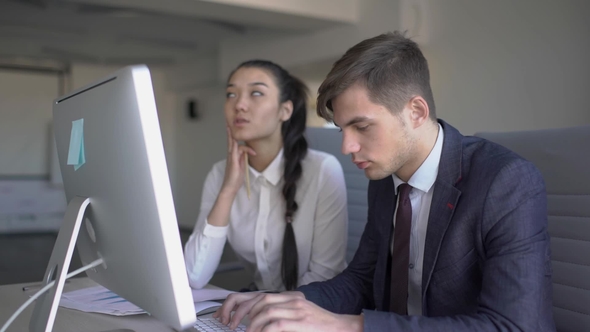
<point x="444" y="201"/>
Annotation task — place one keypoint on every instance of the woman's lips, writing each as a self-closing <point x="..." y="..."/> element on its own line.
<point x="240" y="122"/>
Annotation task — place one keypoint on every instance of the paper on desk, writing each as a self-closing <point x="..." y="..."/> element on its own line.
<point x="206" y="307"/>
<point x="207" y="294"/>
<point x="100" y="300"/>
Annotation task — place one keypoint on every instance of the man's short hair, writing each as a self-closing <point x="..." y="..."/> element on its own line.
<point x="391" y="67"/>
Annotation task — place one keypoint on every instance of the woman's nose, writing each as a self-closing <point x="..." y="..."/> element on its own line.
<point x="241" y="104"/>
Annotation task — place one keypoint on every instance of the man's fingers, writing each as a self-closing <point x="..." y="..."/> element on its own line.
<point x="229" y="305"/>
<point x="283" y="325"/>
<point x="275" y="316"/>
<point x="241" y="311"/>
<point x="224" y="312"/>
<point x="270" y="299"/>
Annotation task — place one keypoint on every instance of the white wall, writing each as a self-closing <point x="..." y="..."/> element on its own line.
<point x="375" y="16"/>
<point x="495" y="65"/>
<point x="199" y="143"/>
<point x="25" y="115"/>
<point x="509" y="65"/>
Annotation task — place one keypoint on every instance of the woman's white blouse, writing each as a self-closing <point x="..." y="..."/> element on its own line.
<point x="257" y="225"/>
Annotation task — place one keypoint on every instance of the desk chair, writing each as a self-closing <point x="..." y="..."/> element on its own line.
<point x="563" y="157"/>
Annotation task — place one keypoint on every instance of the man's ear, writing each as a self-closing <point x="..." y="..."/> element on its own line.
<point x="419" y="111"/>
<point x="286" y="110"/>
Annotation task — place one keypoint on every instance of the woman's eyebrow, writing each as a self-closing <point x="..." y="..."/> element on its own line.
<point x="229" y="85"/>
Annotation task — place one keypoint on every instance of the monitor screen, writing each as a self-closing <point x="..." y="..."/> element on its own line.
<point x="110" y="150"/>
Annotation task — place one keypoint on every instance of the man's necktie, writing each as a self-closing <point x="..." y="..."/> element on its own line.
<point x="400" y="258"/>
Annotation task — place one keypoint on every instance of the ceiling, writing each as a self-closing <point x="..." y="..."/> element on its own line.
<point x="135" y="31"/>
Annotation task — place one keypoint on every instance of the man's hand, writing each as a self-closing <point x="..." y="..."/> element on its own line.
<point x="278" y="314"/>
<point x="287" y="311"/>
<point x="242" y="303"/>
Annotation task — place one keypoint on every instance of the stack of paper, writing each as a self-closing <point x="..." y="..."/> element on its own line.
<point x="205" y="299"/>
<point x="101" y="300"/>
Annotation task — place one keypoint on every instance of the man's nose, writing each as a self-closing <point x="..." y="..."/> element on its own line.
<point x="349" y="144"/>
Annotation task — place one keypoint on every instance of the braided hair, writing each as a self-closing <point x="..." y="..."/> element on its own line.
<point x="294" y="150"/>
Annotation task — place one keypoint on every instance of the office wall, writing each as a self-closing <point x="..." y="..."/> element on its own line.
<point x="25" y="115"/>
<point x="495" y="65"/>
<point x="200" y="143"/>
<point x="509" y="65"/>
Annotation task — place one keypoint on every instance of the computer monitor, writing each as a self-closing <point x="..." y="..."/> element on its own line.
<point x="111" y="157"/>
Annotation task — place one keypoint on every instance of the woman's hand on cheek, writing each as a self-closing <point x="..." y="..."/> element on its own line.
<point x="235" y="168"/>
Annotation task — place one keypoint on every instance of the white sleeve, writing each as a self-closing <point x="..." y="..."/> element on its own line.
<point x="330" y="234"/>
<point x="203" y="250"/>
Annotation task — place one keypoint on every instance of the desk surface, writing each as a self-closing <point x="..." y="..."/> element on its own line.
<point x="12" y="297"/>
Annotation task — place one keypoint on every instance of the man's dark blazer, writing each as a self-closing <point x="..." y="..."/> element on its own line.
<point x="486" y="256"/>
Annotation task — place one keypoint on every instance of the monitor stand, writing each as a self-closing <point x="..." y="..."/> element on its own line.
<point x="45" y="310"/>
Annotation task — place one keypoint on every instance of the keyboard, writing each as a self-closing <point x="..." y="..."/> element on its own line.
<point x="207" y="324"/>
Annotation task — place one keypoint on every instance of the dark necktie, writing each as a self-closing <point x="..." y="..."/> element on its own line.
<point x="400" y="258"/>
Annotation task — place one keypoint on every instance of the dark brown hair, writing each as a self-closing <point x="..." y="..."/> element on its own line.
<point x="294" y="150"/>
<point x="390" y="66"/>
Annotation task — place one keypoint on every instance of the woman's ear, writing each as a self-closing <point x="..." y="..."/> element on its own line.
<point x="286" y="110"/>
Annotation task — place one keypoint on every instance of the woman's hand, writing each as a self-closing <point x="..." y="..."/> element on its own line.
<point x="235" y="168"/>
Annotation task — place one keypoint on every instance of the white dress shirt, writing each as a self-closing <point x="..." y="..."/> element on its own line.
<point x="422" y="183"/>
<point x="257" y="225"/>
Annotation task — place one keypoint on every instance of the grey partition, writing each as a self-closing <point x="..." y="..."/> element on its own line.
<point x="563" y="157"/>
<point x="329" y="140"/>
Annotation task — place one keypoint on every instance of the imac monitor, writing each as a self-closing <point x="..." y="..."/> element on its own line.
<point x="110" y="151"/>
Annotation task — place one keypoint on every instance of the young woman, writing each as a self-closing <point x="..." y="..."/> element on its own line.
<point x="289" y="225"/>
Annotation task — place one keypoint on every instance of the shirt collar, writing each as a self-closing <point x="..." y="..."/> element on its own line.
<point x="273" y="172"/>
<point x="425" y="176"/>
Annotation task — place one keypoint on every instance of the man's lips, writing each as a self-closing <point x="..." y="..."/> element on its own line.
<point x="361" y="164"/>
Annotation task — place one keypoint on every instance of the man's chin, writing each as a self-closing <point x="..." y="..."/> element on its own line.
<point x="372" y="174"/>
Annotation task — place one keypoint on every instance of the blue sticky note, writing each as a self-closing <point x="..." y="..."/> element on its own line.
<point x="76" y="155"/>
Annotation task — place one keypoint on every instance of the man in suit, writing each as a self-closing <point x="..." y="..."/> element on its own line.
<point x="456" y="237"/>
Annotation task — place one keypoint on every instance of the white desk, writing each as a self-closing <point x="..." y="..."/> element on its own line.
<point x="12" y="297"/>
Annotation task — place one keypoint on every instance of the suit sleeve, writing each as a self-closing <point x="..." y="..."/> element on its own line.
<point x="516" y="285"/>
<point x="351" y="291"/>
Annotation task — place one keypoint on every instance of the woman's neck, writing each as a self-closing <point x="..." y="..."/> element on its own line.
<point x="266" y="152"/>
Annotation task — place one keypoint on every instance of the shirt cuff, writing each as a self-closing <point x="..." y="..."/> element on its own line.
<point x="215" y="231"/>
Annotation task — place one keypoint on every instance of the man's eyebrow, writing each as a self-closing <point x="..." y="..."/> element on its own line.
<point x="230" y="85"/>
<point x="355" y="120"/>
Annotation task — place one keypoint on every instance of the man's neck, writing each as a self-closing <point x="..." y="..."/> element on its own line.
<point x="423" y="146"/>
